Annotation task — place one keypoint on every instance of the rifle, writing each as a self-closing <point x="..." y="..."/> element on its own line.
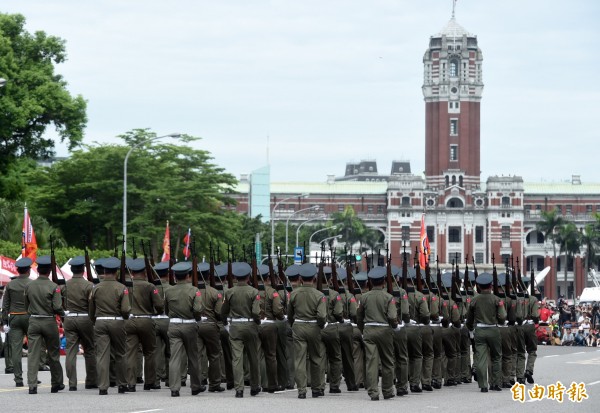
<point x="211" y="267"/>
<point x="123" y="269"/>
<point x="467" y="280"/>
<point x="418" y="270"/>
<point x="466" y="272"/>
<point x="151" y="255"/>
<point x="474" y="270"/>
<point x="506" y="279"/>
<point x="517" y="286"/>
<point x="304" y="257"/>
<point x="149" y="268"/>
<point x="428" y="277"/>
<point x="454" y="286"/>
<point x="229" y="265"/>
<point x="116" y="253"/>
<point x="88" y="265"/>
<point x="133" y="251"/>
<point x="194" y="263"/>
<point x="354" y="289"/>
<point x="532" y="281"/>
<point x="255" y="270"/>
<point x="320" y="274"/>
<point x="55" y="279"/>
<point x="334" y="277"/>
<point x="495" y="277"/>
<point x="272" y="277"/>
<point x="404" y="267"/>
<point x="171" y="263"/>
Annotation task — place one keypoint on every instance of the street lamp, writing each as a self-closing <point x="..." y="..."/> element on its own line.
<point x="317" y="231"/>
<point x="2" y="82"/>
<point x="287" y="222"/>
<point x="137" y="145"/>
<point x="273" y="219"/>
<point x="307" y="221"/>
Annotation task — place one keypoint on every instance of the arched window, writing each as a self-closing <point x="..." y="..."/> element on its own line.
<point x="455" y="203"/>
<point x="454" y="68"/>
<point x="447" y="180"/>
<point x="453" y="179"/>
<point x="460" y="181"/>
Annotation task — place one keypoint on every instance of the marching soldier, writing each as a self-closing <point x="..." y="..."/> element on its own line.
<point x="242" y="305"/>
<point x="146" y="302"/>
<point x="78" y="326"/>
<point x="273" y="311"/>
<point x="208" y="332"/>
<point x="292" y="274"/>
<point x="432" y="342"/>
<point x="376" y="313"/>
<point x="162" y="352"/>
<point x="486" y="312"/>
<point x="450" y="331"/>
<point x="506" y="331"/>
<point x="345" y="331"/>
<point x="466" y="370"/>
<point x="307" y="312"/>
<point x="15" y="317"/>
<point x="401" y="341"/>
<point x="183" y="305"/>
<point x="531" y="319"/>
<point x="109" y="306"/>
<point x="419" y="317"/>
<point x="358" y="346"/>
<point x="43" y="301"/>
<point x="331" y="338"/>
<point x="226" y="357"/>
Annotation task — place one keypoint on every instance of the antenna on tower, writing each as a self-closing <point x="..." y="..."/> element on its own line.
<point x="453" y="7"/>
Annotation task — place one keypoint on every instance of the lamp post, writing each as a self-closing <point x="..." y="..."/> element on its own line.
<point x="137" y="145"/>
<point x="273" y="219"/>
<point x="317" y="231"/>
<point x="287" y="222"/>
<point x="307" y="221"/>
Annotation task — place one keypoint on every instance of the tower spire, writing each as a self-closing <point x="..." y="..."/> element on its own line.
<point x="453" y="7"/>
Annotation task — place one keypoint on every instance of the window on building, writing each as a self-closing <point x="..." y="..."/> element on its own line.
<point x="447" y="181"/>
<point x="569" y="209"/>
<point x="406" y="233"/>
<point x="479" y="258"/>
<point x="538" y="207"/>
<point x="479" y="234"/>
<point x="453" y="179"/>
<point x="505" y="260"/>
<point x="588" y="209"/>
<point x="431" y="233"/>
<point x="405" y="201"/>
<point x="454" y="257"/>
<point x="453" y="68"/>
<point x="380" y="209"/>
<point x="453" y="127"/>
<point x="505" y="233"/>
<point x="540" y="264"/>
<point x="454" y="155"/>
<point x="454" y="234"/>
<point x="460" y="181"/>
<point x="528" y="208"/>
<point x="341" y="208"/>
<point x="505" y="201"/>
<point x="540" y="237"/>
<point x="455" y="203"/>
<point x="558" y="209"/>
<point x="370" y="209"/>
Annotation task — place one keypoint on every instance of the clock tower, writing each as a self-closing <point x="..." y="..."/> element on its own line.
<point x="452" y="89"/>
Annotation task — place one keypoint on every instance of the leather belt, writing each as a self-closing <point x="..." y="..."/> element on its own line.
<point x="182" y="320"/>
<point x="109" y="318"/>
<point x="18" y="313"/>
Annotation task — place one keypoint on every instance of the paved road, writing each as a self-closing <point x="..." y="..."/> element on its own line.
<point x="568" y="364"/>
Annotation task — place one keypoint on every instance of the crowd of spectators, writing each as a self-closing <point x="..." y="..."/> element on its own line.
<point x="569" y="325"/>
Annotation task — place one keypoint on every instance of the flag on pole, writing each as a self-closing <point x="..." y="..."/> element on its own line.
<point x="166" y="245"/>
<point x="186" y="244"/>
<point x="29" y="244"/>
<point x="423" y="245"/>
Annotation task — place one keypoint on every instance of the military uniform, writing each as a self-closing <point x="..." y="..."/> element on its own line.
<point x="345" y="330"/>
<point x="507" y="333"/>
<point x="162" y="352"/>
<point x="15" y="316"/>
<point x="431" y="351"/>
<point x="268" y="332"/>
<point x="241" y="308"/>
<point x="419" y="317"/>
<point x="78" y="327"/>
<point x="307" y="312"/>
<point x="226" y="357"/>
<point x="401" y="341"/>
<point x="376" y="313"/>
<point x="451" y="324"/>
<point x="183" y="305"/>
<point x="331" y="338"/>
<point x="145" y="303"/>
<point x="532" y="311"/>
<point x="486" y="312"/>
<point x="358" y="346"/>
<point x="109" y="306"/>
<point x="43" y="301"/>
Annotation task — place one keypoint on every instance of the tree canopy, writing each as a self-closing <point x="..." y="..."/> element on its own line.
<point x="34" y="95"/>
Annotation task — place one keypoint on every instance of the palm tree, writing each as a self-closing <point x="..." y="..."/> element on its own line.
<point x="569" y="239"/>
<point x="349" y="225"/>
<point x="590" y="238"/>
<point x="549" y="225"/>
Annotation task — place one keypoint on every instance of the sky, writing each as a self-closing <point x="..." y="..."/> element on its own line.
<point x="310" y="85"/>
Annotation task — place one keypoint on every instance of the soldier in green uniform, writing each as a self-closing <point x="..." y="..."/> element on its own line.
<point x="486" y="312"/>
<point x="162" y="352"/>
<point x="376" y="318"/>
<point x="282" y="353"/>
<point x="292" y="274"/>
<point x="109" y="306"/>
<point x="43" y="301"/>
<point x="15" y="316"/>
<point x="400" y="337"/>
<point x="358" y="346"/>
<point x="208" y="331"/>
<point x="419" y="317"/>
<point x="307" y="313"/>
<point x="431" y="337"/>
<point x="183" y="305"/>
<point x="331" y="338"/>
<point x="506" y="331"/>
<point x="79" y="329"/>
<point x="145" y="302"/>
<point x="532" y="317"/>
<point x="451" y="325"/>
<point x="241" y="308"/>
<point x="273" y="311"/>
<point x="226" y="357"/>
<point x="465" y="368"/>
<point x="345" y="330"/>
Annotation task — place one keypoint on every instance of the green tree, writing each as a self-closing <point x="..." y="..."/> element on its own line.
<point x="349" y="225"/>
<point x="549" y="225"/>
<point x="590" y="239"/>
<point x="34" y="96"/>
<point x="569" y="239"/>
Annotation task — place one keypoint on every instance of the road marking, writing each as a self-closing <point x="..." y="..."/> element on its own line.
<point x="432" y="407"/>
<point x="594" y="382"/>
<point x="555" y="355"/>
<point x="581" y="352"/>
<point x="147" y="411"/>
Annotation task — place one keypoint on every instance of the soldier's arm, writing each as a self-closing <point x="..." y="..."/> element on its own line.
<point x="535" y="310"/>
<point x="277" y="306"/>
<point x="256" y="307"/>
<point x="434" y="309"/>
<point x="197" y="303"/>
<point x="455" y="315"/>
<point x="471" y="316"/>
<point x="218" y="305"/>
<point x="405" y="308"/>
<point x="500" y="311"/>
<point x="352" y="308"/>
<point x="57" y="302"/>
<point x="338" y="309"/>
<point x="392" y="312"/>
<point x="424" y="316"/>
<point x="157" y="301"/>
<point x="92" y="306"/>
<point x="5" y="305"/>
<point x="26" y="299"/>
<point x="125" y="303"/>
<point x="322" y="311"/>
<point x="360" y="316"/>
<point x="290" y="310"/>
<point x="225" y="308"/>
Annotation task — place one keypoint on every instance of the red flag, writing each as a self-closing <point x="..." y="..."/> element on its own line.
<point x="166" y="245"/>
<point x="423" y="245"/>
<point x="29" y="245"/>
<point x="186" y="241"/>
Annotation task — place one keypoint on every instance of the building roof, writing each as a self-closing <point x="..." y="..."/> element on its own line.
<point x="453" y="29"/>
<point x="336" y="187"/>
<point x="561" y="188"/>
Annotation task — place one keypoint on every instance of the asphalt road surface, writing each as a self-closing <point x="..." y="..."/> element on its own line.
<point x="554" y="364"/>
